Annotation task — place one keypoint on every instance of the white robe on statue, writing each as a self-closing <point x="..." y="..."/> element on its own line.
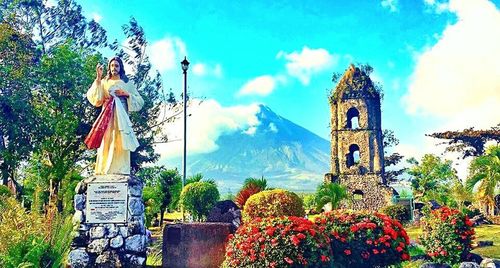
<point x="113" y="156"/>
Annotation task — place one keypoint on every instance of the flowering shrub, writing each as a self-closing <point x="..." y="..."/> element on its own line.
<point x="447" y="235"/>
<point x="278" y="242"/>
<point x="273" y="203"/>
<point x="364" y="239"/>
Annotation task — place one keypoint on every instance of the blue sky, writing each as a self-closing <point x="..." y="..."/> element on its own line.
<point x="438" y="61"/>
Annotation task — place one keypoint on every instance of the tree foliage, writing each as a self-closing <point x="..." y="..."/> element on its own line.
<point x="389" y="140"/>
<point x="485" y="171"/>
<point x="332" y="193"/>
<point x="159" y="190"/>
<point x="432" y="178"/>
<point x="468" y="142"/>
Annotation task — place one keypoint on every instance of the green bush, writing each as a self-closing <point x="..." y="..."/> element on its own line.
<point x="4" y="191"/>
<point x="198" y="198"/>
<point x="32" y="239"/>
<point x="273" y="203"/>
<point x="278" y="242"/>
<point x="397" y="212"/>
<point x="447" y="235"/>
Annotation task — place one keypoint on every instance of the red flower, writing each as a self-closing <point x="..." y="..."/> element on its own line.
<point x="325" y="258"/>
<point x="295" y="240"/>
<point x="288" y="260"/>
<point x="405" y="257"/>
<point x="347" y="252"/>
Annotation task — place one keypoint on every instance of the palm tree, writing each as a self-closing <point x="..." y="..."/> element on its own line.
<point x="332" y="193"/>
<point x="259" y="183"/>
<point x="485" y="170"/>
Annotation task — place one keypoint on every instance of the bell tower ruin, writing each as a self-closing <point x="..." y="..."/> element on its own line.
<point x="357" y="153"/>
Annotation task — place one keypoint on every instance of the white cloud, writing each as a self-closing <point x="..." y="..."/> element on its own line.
<point x="307" y="62"/>
<point x="392" y="5"/>
<point x="167" y="53"/>
<point x="262" y="85"/>
<point x="437" y="6"/>
<point x="458" y="79"/>
<point x="203" y="69"/>
<point x="96" y="16"/>
<point x="207" y="122"/>
<point x="51" y="3"/>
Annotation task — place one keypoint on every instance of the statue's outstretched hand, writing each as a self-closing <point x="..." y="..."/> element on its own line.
<point x="121" y="93"/>
<point x="99" y="69"/>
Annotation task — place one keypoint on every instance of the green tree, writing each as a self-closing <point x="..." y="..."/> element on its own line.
<point x="390" y="160"/>
<point x="158" y="190"/>
<point x="432" y="178"/>
<point x="469" y="142"/>
<point x="199" y="198"/>
<point x="259" y="183"/>
<point x="17" y="63"/>
<point x="485" y="170"/>
<point x="332" y="193"/>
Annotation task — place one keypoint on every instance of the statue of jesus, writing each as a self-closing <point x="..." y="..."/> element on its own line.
<point x="112" y="132"/>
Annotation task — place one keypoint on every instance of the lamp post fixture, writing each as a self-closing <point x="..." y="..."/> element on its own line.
<point x="185" y="66"/>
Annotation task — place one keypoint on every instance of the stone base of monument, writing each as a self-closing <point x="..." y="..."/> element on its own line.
<point x="109" y="223"/>
<point x="193" y="245"/>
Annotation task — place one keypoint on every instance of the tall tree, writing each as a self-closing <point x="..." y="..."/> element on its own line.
<point x="18" y="57"/>
<point x="468" y="142"/>
<point x="485" y="170"/>
<point x="389" y="140"/>
<point x="432" y="178"/>
<point x="159" y="187"/>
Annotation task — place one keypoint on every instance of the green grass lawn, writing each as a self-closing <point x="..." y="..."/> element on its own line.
<point x="483" y="232"/>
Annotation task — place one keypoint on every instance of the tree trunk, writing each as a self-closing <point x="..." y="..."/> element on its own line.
<point x="162" y="212"/>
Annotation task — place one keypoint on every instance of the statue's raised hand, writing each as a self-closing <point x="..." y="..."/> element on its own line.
<point x="99" y="68"/>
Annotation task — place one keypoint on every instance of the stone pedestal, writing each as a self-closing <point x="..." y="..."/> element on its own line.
<point x="109" y="223"/>
<point x="193" y="245"/>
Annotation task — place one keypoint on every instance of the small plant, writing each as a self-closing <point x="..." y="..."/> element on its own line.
<point x="199" y="198"/>
<point x="273" y="203"/>
<point x="278" y="242"/>
<point x="363" y="239"/>
<point x="447" y="235"/>
<point x="245" y="193"/>
<point x="398" y="212"/>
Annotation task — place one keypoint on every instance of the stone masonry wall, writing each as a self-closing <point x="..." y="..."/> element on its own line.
<point x="110" y="244"/>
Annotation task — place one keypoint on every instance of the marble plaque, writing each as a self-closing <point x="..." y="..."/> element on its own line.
<point x="107" y="202"/>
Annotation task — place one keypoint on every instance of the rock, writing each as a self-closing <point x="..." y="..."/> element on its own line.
<point x="434" y="265"/>
<point x="116" y="242"/>
<point x="469" y="265"/>
<point x="489" y="263"/>
<point x="136" y="243"/>
<point x="226" y="206"/>
<point x="135" y="261"/>
<point x="485" y="243"/>
<point x="108" y="259"/>
<point x="78" y="217"/>
<point x="135" y="190"/>
<point x="97" y="232"/>
<point x="215" y="215"/>
<point x="472" y="257"/>
<point x="112" y="230"/>
<point x="136" y="226"/>
<point x="434" y="204"/>
<point x="136" y="206"/>
<point x="79" y="202"/>
<point x="81" y="188"/>
<point x="78" y="258"/>
<point x="80" y="239"/>
<point x="98" y="246"/>
<point x="123" y="231"/>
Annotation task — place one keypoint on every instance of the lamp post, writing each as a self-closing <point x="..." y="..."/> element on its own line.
<point x="185" y="66"/>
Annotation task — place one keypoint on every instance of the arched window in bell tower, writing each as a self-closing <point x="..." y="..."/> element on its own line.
<point x="352" y="118"/>
<point x="353" y="157"/>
